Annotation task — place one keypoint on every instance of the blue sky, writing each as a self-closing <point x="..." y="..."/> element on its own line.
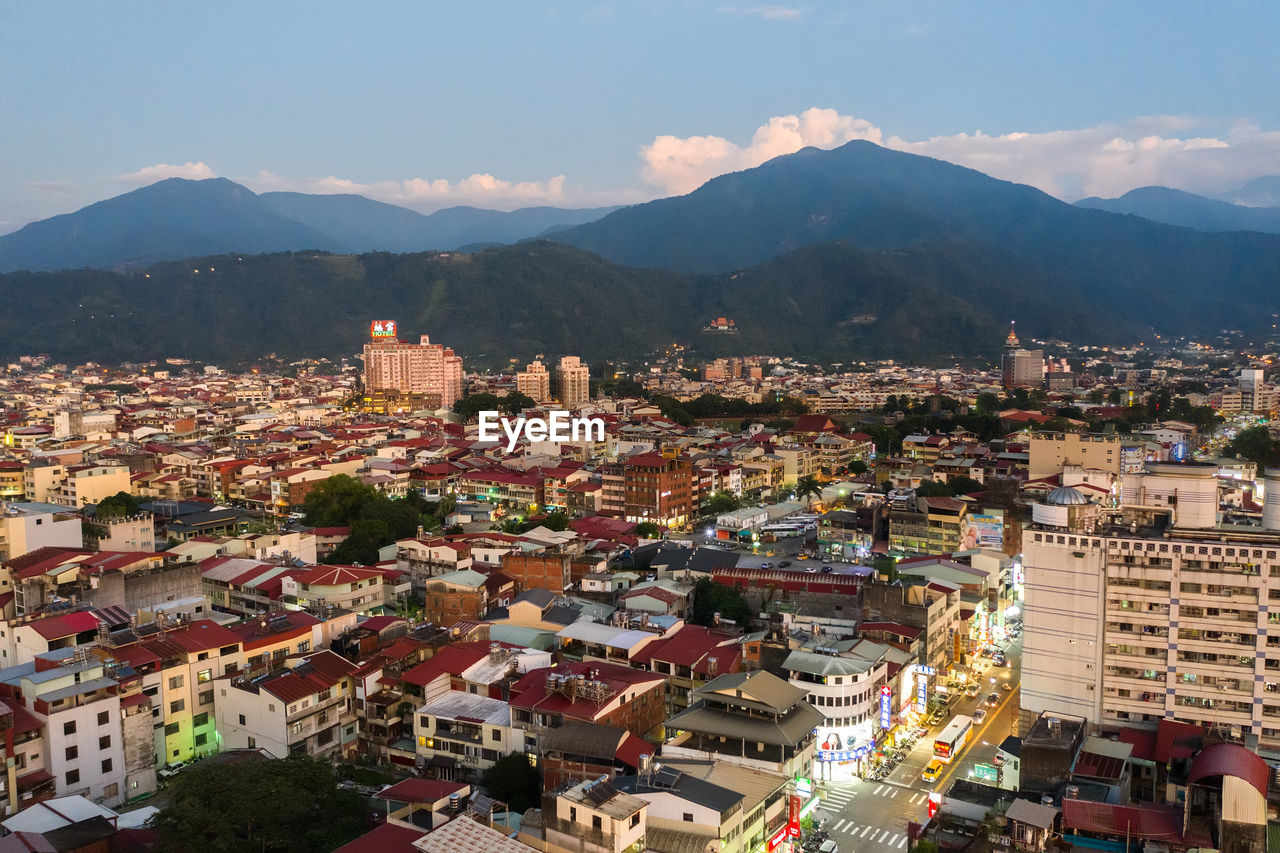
<point x="510" y="104"/>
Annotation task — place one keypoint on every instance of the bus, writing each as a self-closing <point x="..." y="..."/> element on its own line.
<point x="953" y="740"/>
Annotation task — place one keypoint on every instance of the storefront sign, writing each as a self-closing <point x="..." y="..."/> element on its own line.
<point x="886" y="708"/>
<point x="793" y="816"/>
<point x="804" y="787"/>
<point x="776" y="840"/>
<point x="922" y="693"/>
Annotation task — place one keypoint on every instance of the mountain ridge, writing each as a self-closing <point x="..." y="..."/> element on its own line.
<point x="178" y="218"/>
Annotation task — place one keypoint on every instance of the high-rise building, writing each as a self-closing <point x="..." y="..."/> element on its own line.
<point x="1154" y="610"/>
<point x="421" y="374"/>
<point x="534" y="382"/>
<point x="574" y="379"/>
<point x="1255" y="394"/>
<point x="1021" y="368"/>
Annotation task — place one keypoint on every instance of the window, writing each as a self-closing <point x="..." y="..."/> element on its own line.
<point x="177" y="706"/>
<point x="69" y="728"/>
<point x="688" y="817"/>
<point x="200" y="719"/>
<point x="175" y="682"/>
<point x="72" y="753"/>
<point x="104" y="717"/>
<point x="296" y="728"/>
<point x="73" y="777"/>
<point x="106" y="765"/>
<point x="497" y="734"/>
<point x="635" y="819"/>
<point x="202" y="739"/>
<point x="204" y="675"/>
<point x="242" y="719"/>
<point x="206" y="698"/>
<point x="325" y="695"/>
<point x="104" y="742"/>
<point x="171" y="729"/>
<point x="253" y="743"/>
<point x="596" y="823"/>
<point x="573" y="814"/>
<point x="304" y="646"/>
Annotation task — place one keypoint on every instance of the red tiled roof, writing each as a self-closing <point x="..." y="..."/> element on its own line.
<point x="1177" y="740"/>
<point x="905" y="631"/>
<point x="1096" y="766"/>
<point x="420" y="791"/>
<point x="1229" y="759"/>
<point x="1150" y="822"/>
<point x="64" y="625"/>
<point x="1142" y="741"/>
<point x="631" y="748"/>
<point x="388" y="838"/>
<point x="202" y="635"/>
<point x="336" y="575"/>
<point x="380" y="623"/>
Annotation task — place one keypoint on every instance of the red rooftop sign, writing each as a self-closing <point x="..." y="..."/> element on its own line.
<point x="382" y="329"/>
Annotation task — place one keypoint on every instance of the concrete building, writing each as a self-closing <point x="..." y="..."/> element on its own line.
<point x="846" y="690"/>
<point x="306" y="707"/>
<point x="79" y="700"/>
<point x="573" y="382"/>
<point x="1050" y="452"/>
<point x="25" y="528"/>
<point x="1021" y="368"/>
<point x="593" y="817"/>
<point x="89" y="484"/>
<point x="425" y="374"/>
<point x="535" y="382"/>
<point x="928" y="526"/>
<point x="470" y="730"/>
<point x="754" y="720"/>
<point x="1137" y="614"/>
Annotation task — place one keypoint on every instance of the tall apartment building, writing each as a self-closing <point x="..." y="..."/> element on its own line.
<point x="1021" y="368"/>
<point x="574" y="382"/>
<point x="422" y="373"/>
<point x="1050" y="452"/>
<point x="534" y="382"/>
<point x="1255" y="394"/>
<point x="655" y="489"/>
<point x="1154" y="611"/>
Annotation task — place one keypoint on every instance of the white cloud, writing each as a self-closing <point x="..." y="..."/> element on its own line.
<point x="1106" y="160"/>
<point x="768" y="13"/>
<point x="680" y="165"/>
<point x="160" y="171"/>
<point x="481" y="189"/>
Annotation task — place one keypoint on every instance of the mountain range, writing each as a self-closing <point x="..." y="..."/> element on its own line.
<point x="1175" y="207"/>
<point x="859" y="252"/>
<point x="179" y="218"/>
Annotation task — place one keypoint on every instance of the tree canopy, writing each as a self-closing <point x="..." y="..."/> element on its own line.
<point x="119" y="505"/>
<point x="375" y="519"/>
<point x="710" y="598"/>
<point x="514" y="781"/>
<point x="290" y="805"/>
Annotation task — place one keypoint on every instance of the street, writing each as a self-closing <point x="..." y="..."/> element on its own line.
<point x="873" y="816"/>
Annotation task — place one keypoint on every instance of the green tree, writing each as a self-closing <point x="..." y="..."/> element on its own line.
<point x="988" y="403"/>
<point x="513" y="781"/>
<point x="721" y="502"/>
<point x="857" y="467"/>
<point x="933" y="489"/>
<point x="1254" y="444"/>
<point x="362" y="543"/>
<point x="963" y="485"/>
<point x="338" y="501"/>
<point x="472" y="404"/>
<point x="808" y="487"/>
<point x="515" y="403"/>
<point x="119" y="505"/>
<point x="648" y="530"/>
<point x="290" y="805"/>
<point x="710" y="598"/>
<point x="557" y="520"/>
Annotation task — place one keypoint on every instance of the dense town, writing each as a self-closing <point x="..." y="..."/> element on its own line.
<point x="776" y="606"/>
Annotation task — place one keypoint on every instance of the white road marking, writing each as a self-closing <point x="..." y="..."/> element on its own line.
<point x="883" y="836"/>
<point x="902" y="843"/>
<point x="865" y="830"/>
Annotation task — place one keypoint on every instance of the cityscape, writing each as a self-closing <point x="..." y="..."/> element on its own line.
<point x="422" y="432"/>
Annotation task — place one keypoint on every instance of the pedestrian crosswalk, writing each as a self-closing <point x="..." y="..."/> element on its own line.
<point x="870" y="834"/>
<point x="864" y="838"/>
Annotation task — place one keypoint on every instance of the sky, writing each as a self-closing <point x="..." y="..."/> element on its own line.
<point x="511" y="104"/>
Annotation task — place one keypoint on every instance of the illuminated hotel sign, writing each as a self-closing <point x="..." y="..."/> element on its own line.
<point x="379" y="329"/>
<point x="886" y="708"/>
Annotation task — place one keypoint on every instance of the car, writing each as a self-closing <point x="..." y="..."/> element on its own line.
<point x="784" y="564"/>
<point x="766" y="565"/>
<point x="998" y="760"/>
<point x="932" y="771"/>
<point x="826" y="570"/>
<point x="993" y="699"/>
<point x="971" y="692"/>
<point x="979" y="715"/>
<point x="811" y="570"/>
<point x="1006" y="686"/>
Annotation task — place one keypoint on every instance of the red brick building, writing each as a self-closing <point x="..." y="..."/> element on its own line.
<point x="658" y="489"/>
<point x="549" y="569"/>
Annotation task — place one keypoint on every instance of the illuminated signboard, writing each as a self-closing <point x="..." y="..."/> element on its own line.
<point x="986" y="772"/>
<point x="804" y="787"/>
<point x="382" y="329"/>
<point x="922" y="692"/>
<point x="886" y="708"/>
